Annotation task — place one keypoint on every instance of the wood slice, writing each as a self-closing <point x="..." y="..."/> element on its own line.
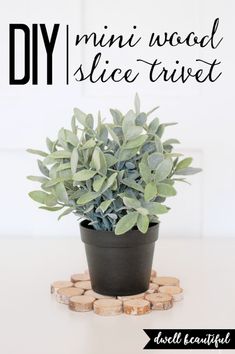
<point x="161" y="281"/>
<point x="80" y="277"/>
<point x="98" y="296"/>
<point x="175" y="291"/>
<point x="108" y="307"/>
<point x="153" y="288"/>
<point x="153" y="274"/>
<point x="136" y="307"/>
<point x="56" y="285"/>
<point x="131" y="297"/>
<point x="85" y="285"/>
<point x="160" y="301"/>
<point x="81" y="303"/>
<point x="64" y="294"/>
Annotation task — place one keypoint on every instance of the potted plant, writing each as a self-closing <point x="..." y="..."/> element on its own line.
<point x="116" y="177"/>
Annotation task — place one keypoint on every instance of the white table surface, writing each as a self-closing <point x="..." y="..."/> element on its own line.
<point x="32" y="322"/>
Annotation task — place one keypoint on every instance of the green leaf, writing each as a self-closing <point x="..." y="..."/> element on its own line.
<point x="60" y="154"/>
<point x="90" y="121"/>
<point x="37" y="152"/>
<point x="127" y="154"/>
<point x="153" y="126"/>
<point x="43" y="198"/>
<point x="130" y="130"/>
<point x="74" y="160"/>
<point x="113" y="135"/>
<point x="155" y="208"/>
<point x="98" y="183"/>
<point x="38" y="179"/>
<point x="87" y="197"/>
<point x="66" y="212"/>
<point x="71" y="138"/>
<point x="63" y="166"/>
<point x="88" y="144"/>
<point x="81" y="116"/>
<point x="84" y="175"/>
<point x="165" y="190"/>
<point x="110" y="160"/>
<point x="126" y="223"/>
<point x="110" y="182"/>
<point x="142" y="211"/>
<point x="171" y="141"/>
<point x="137" y="142"/>
<point x="145" y="171"/>
<point x="53" y="171"/>
<point x="150" y="191"/>
<point x="44" y="170"/>
<point x="50" y="144"/>
<point x="132" y="184"/>
<point x="184" y="163"/>
<point x="163" y="170"/>
<point x="152" y="110"/>
<point x="188" y="171"/>
<point x="98" y="161"/>
<point x="131" y="202"/>
<point x="61" y="193"/>
<point x="143" y="223"/>
<point x="141" y="119"/>
<point x="117" y="116"/>
<point x="154" y="160"/>
<point x="104" y="205"/>
<point x="51" y="208"/>
<point x="137" y="103"/>
<point x="54" y="181"/>
<point x="158" y="143"/>
<point x="73" y="124"/>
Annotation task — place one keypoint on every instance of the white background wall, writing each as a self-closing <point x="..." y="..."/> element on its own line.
<point x="205" y="112"/>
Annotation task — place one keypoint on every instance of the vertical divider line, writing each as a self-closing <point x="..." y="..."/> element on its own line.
<point x="67" y="54"/>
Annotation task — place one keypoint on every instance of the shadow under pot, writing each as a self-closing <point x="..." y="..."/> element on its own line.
<point x="119" y="265"/>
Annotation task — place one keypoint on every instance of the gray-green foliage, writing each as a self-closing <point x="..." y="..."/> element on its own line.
<point x="117" y="175"/>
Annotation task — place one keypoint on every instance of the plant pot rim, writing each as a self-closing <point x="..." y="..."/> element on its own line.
<point x="103" y="238"/>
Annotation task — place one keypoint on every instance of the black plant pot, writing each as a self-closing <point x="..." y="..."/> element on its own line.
<point x="119" y="265"/>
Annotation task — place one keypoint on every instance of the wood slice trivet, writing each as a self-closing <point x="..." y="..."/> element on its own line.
<point x="136" y="307"/>
<point x="81" y="303"/>
<point x="80" y="277"/>
<point x="160" y="301"/>
<point x="161" y="281"/>
<point x="56" y="285"/>
<point x="131" y="297"/>
<point x="175" y="291"/>
<point x="64" y="294"/>
<point x="86" y="285"/>
<point x="153" y="288"/>
<point x="98" y="296"/>
<point x="108" y="307"/>
<point x="153" y="273"/>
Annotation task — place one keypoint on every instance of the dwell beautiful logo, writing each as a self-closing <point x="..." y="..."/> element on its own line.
<point x="38" y="38"/>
